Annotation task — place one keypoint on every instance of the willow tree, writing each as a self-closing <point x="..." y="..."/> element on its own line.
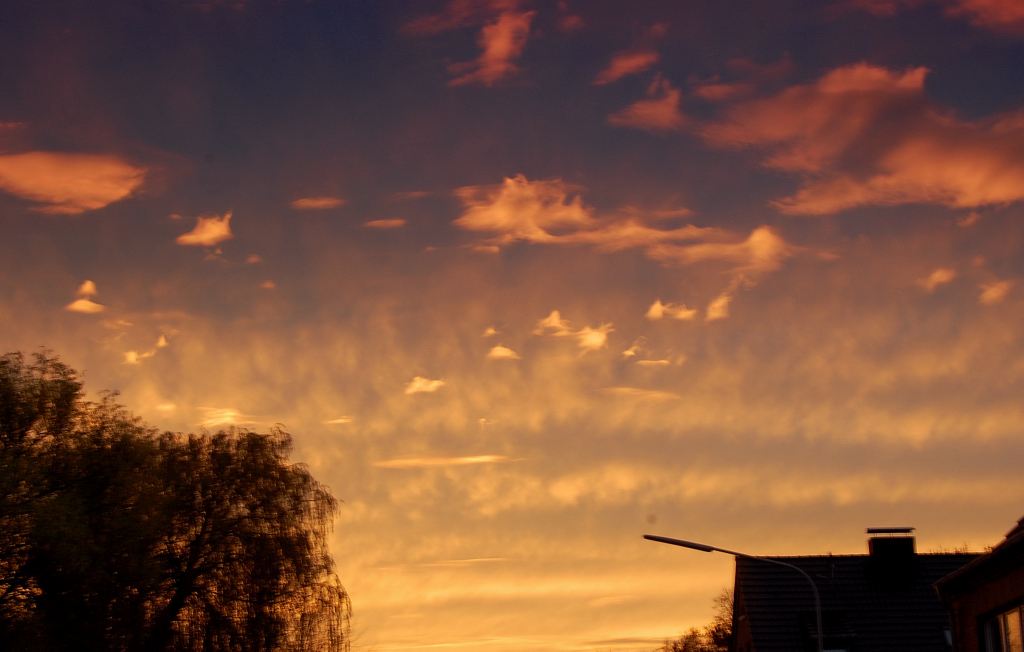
<point x="117" y="537"/>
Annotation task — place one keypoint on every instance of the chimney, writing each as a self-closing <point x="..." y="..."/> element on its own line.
<point x="892" y="554"/>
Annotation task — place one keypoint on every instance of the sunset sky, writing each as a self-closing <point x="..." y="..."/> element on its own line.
<point x="528" y="279"/>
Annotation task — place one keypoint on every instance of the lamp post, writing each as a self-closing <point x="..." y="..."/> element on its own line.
<point x="706" y="548"/>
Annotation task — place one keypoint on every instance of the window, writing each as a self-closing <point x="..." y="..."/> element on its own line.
<point x="1004" y="632"/>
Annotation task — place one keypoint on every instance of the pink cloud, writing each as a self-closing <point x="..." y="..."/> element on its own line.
<point x="504" y="31"/>
<point x="626" y="63"/>
<point x="658" y="113"/>
<point x="393" y="223"/>
<point x="864" y="135"/>
<point x="502" y="41"/>
<point x="68" y="183"/>
<point x="1006" y="16"/>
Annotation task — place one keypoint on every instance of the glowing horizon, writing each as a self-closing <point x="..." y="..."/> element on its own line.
<point x="528" y="279"/>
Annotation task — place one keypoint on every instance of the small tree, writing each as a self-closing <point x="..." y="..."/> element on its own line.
<point x="713" y="637"/>
<point x="115" y="537"/>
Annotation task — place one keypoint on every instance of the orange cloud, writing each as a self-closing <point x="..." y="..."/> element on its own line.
<point x="500" y="352"/>
<point x="719" y="307"/>
<point x="68" y="183"/>
<point x="554" y="323"/>
<point x="937" y="278"/>
<point x="592" y="339"/>
<point x="419" y="385"/>
<point x="318" y="203"/>
<point x="993" y="293"/>
<point x="548" y="212"/>
<point x="84" y="304"/>
<point x="87" y="289"/>
<point x="865" y="135"/>
<point x="659" y="113"/>
<point x="208" y="231"/>
<point x="589" y="339"/>
<point x="626" y="63"/>
<point x="762" y="251"/>
<point x="659" y="310"/>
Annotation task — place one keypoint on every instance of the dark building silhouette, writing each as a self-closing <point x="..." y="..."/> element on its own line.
<point x="985" y="598"/>
<point x="882" y="601"/>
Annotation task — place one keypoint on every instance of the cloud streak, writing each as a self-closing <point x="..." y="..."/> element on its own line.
<point x="422" y="462"/>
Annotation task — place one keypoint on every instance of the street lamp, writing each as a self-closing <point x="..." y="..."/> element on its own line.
<point x="706" y="548"/>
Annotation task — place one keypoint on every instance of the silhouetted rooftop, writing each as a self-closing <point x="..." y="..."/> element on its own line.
<point x="867" y="603"/>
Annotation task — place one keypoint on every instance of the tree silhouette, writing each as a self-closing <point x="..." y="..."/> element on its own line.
<point x="713" y="637"/>
<point x="115" y="537"/>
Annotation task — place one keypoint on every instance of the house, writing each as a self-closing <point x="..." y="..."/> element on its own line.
<point x="883" y="600"/>
<point x="985" y="598"/>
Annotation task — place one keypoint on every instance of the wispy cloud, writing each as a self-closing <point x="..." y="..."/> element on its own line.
<point x="503" y="35"/>
<point x="317" y="203"/>
<point x="628" y="62"/>
<point x="339" y="421"/>
<point x="420" y="462"/>
<point x="658" y="113"/>
<point x="68" y="183"/>
<point x="419" y="385"/>
<point x="134" y="357"/>
<point x="394" y="223"/>
<point x="658" y="310"/>
<point x="208" y="231"/>
<point x="588" y="338"/>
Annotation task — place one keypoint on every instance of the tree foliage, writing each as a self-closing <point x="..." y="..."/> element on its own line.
<point x="116" y="537"/>
<point x="713" y="637"/>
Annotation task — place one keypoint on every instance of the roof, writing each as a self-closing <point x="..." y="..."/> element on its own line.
<point x="1009" y="554"/>
<point x="863" y="607"/>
